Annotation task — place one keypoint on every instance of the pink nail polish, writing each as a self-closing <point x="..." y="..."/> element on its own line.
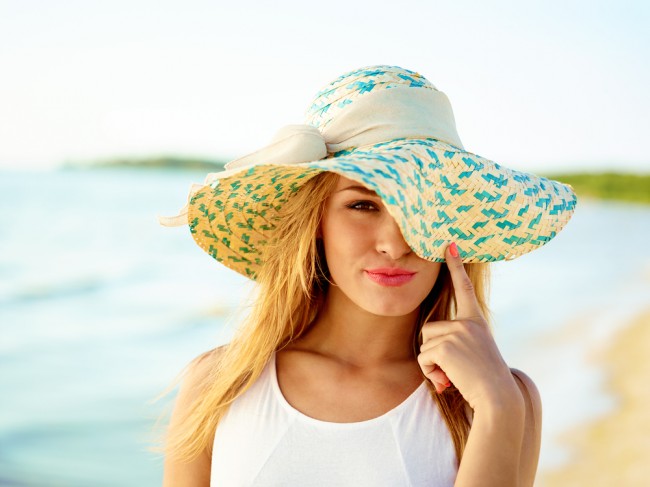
<point x="453" y="250"/>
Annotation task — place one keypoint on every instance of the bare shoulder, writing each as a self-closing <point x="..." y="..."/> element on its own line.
<point x="533" y="426"/>
<point x="195" y="375"/>
<point x="195" y="472"/>
<point x="530" y="392"/>
<point x="199" y="368"/>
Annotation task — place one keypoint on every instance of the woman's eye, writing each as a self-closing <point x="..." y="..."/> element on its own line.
<point x="362" y="206"/>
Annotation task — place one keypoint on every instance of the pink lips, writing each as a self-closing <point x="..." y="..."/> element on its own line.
<point x="390" y="276"/>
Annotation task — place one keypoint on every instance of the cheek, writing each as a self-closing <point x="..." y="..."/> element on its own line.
<point x="342" y="229"/>
<point x="432" y="272"/>
<point x="345" y="244"/>
<point x="428" y="276"/>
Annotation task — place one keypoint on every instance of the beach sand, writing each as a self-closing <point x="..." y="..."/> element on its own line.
<point x="614" y="449"/>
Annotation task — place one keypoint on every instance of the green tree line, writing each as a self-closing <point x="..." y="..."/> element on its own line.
<point x="602" y="185"/>
<point x="608" y="185"/>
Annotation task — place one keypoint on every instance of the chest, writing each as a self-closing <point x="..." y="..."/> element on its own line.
<point x="344" y="396"/>
<point x="264" y="441"/>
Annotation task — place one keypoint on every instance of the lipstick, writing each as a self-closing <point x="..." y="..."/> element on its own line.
<point x="390" y="277"/>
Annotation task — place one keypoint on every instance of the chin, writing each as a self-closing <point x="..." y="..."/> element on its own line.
<point x="397" y="310"/>
<point x="396" y="305"/>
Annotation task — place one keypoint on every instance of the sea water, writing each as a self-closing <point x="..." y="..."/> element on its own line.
<point x="101" y="308"/>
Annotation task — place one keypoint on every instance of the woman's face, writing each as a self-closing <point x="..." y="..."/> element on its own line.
<point x="359" y="235"/>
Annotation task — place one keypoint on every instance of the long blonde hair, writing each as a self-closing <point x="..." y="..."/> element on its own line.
<point x="292" y="285"/>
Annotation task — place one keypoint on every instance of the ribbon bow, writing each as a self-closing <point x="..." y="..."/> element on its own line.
<point x="292" y="144"/>
<point x="375" y="117"/>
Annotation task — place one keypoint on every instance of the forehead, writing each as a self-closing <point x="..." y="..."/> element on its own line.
<point x="346" y="185"/>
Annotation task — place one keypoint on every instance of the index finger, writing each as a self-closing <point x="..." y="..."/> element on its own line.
<point x="466" y="302"/>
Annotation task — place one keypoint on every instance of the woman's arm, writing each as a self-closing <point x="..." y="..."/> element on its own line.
<point x="195" y="473"/>
<point x="532" y="428"/>
<point x="503" y="443"/>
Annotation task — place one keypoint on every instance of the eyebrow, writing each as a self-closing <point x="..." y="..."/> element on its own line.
<point x="361" y="189"/>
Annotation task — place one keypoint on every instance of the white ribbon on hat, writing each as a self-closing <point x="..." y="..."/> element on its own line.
<point x="372" y="118"/>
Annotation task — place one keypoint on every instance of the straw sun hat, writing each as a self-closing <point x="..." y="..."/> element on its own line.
<point x="391" y="130"/>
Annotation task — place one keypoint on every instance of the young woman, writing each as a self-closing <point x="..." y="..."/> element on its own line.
<point x="368" y="357"/>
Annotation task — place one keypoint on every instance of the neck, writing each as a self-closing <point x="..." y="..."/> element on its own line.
<point x="353" y="335"/>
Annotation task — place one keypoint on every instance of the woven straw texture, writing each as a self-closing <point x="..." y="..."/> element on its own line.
<point x="344" y="90"/>
<point x="437" y="193"/>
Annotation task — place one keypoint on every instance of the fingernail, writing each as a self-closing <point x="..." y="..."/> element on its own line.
<point x="453" y="250"/>
<point x="448" y="384"/>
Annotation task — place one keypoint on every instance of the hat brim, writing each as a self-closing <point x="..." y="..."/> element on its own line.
<point x="437" y="193"/>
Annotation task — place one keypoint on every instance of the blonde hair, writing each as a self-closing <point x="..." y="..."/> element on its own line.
<point x="291" y="288"/>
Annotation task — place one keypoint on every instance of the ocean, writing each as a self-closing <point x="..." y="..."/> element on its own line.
<point x="101" y="308"/>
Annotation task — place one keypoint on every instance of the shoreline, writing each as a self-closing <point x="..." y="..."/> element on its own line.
<point x="614" y="449"/>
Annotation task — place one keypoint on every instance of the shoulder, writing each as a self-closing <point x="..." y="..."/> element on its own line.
<point x="195" y="375"/>
<point x="200" y="367"/>
<point x="533" y="426"/>
<point x="197" y="471"/>
<point x="530" y="393"/>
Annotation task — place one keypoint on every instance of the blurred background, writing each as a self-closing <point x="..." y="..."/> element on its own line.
<point x="110" y="110"/>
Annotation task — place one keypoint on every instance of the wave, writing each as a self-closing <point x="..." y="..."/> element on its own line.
<point x="40" y="292"/>
<point x="75" y="286"/>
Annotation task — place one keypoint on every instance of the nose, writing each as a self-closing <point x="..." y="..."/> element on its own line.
<point x="390" y="240"/>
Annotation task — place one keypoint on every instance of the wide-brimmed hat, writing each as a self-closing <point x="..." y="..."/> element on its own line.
<point x="391" y="130"/>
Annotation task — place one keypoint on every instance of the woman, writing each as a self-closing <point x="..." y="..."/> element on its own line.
<point x="367" y="358"/>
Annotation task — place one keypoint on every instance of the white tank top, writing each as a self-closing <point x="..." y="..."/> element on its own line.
<point x="264" y="441"/>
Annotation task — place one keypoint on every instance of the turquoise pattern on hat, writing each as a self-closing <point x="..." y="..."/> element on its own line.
<point x="435" y="191"/>
<point x="494" y="209"/>
<point x="344" y="90"/>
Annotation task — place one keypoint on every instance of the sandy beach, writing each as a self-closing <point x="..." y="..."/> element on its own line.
<point x="614" y="449"/>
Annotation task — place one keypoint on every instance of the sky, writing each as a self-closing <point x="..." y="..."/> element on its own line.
<point x="535" y="85"/>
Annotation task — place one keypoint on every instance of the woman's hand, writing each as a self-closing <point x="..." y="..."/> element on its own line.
<point x="463" y="350"/>
<point x="503" y="444"/>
